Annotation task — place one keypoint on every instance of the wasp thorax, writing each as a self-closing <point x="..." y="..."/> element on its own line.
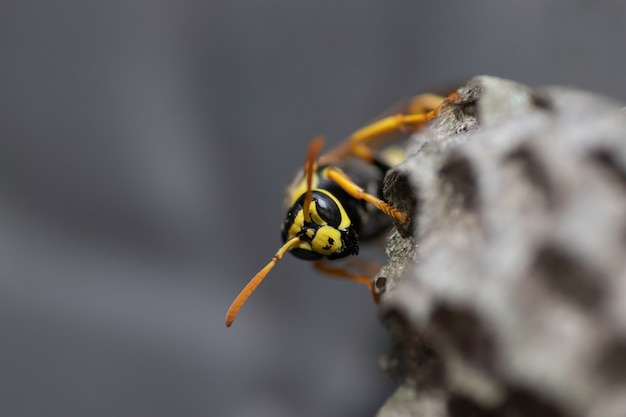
<point x="328" y="233"/>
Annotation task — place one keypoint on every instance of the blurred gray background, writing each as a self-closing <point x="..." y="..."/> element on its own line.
<point x="144" y="152"/>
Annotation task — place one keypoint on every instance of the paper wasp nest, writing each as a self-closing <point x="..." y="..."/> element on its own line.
<point x="509" y="296"/>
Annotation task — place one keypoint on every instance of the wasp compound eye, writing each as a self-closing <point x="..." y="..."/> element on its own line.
<point x="327" y="209"/>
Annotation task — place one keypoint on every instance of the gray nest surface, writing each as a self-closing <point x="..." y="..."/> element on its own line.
<point x="506" y="295"/>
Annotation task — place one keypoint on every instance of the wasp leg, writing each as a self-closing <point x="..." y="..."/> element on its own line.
<point x="359" y="193"/>
<point x="420" y="109"/>
<point x="323" y="266"/>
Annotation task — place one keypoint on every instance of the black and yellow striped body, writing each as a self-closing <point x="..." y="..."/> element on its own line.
<point x="338" y="220"/>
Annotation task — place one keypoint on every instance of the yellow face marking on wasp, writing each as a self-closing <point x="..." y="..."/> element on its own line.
<point x="296" y="228"/>
<point x="327" y="240"/>
<point x="298" y="224"/>
<point x="315" y="216"/>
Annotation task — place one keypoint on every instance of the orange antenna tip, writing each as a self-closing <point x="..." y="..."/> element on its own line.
<point x="247" y="291"/>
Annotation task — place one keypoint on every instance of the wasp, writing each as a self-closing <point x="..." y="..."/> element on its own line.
<point x="336" y="199"/>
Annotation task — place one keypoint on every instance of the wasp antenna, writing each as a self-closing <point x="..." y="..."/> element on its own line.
<point x="256" y="280"/>
<point x="309" y="169"/>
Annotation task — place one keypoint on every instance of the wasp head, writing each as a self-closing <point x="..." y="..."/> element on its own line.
<point x="329" y="232"/>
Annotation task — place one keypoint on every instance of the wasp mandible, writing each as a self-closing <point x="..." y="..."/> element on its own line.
<point x="336" y="200"/>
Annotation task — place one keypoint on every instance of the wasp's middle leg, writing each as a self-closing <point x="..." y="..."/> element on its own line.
<point x="359" y="193"/>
